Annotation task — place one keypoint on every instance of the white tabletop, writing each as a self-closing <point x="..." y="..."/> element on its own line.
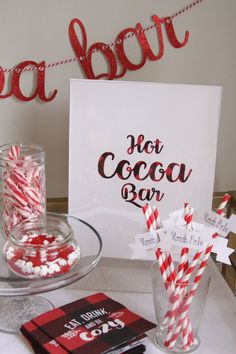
<point x="218" y="329"/>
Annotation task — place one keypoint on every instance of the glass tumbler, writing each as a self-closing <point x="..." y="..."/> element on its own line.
<point x="22" y="184"/>
<point x="178" y="309"/>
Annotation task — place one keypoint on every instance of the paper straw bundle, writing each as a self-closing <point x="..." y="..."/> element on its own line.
<point x="23" y="189"/>
<point x="180" y="289"/>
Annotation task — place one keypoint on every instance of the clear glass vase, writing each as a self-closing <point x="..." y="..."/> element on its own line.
<point x="22" y="184"/>
<point x="178" y="309"/>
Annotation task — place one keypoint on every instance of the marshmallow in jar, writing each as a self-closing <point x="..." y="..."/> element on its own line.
<point x="42" y="247"/>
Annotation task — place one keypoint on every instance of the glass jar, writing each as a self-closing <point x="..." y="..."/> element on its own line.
<point x="41" y="247"/>
<point x="22" y="186"/>
<point x="178" y="309"/>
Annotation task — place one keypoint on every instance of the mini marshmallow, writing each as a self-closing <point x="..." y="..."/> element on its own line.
<point x="20" y="263"/>
<point x="59" y="238"/>
<point x="56" y="267"/>
<point x="43" y="270"/>
<point x="9" y="255"/>
<point x="62" y="262"/>
<point x="52" y="266"/>
<point x="36" y="270"/>
<point x="27" y="267"/>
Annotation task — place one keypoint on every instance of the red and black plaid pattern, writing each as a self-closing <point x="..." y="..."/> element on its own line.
<point x="95" y="324"/>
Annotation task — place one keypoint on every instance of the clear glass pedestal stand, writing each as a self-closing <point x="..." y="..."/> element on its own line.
<point x="18" y="303"/>
<point x="18" y="310"/>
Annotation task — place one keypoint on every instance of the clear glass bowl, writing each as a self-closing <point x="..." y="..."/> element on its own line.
<point x="41" y="247"/>
<point x="16" y="301"/>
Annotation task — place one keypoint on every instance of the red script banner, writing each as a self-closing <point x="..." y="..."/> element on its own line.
<point x="116" y="57"/>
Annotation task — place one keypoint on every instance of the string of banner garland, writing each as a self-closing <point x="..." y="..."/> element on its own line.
<point x="114" y="54"/>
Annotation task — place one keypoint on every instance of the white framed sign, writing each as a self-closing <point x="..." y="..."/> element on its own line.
<point x="133" y="143"/>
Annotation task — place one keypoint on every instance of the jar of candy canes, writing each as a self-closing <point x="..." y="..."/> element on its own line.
<point x="22" y="184"/>
<point x="41" y="247"/>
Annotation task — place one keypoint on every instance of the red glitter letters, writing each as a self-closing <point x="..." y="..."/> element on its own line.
<point x="116" y="57"/>
<point x="119" y="55"/>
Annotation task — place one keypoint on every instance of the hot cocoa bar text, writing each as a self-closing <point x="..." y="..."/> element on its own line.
<point x="173" y="172"/>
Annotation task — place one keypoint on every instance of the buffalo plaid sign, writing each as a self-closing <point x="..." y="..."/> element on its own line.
<point x="95" y="324"/>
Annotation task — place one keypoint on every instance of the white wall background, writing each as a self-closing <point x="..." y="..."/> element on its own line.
<point x="38" y="30"/>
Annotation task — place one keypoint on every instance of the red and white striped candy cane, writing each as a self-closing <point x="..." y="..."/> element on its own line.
<point x="16" y="192"/>
<point x="13" y="152"/>
<point x="23" y="189"/>
<point x="32" y="196"/>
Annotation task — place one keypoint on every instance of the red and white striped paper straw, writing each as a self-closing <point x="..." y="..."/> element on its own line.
<point x="166" y="255"/>
<point x="164" y="260"/>
<point x="183" y="265"/>
<point x="223" y="204"/>
<point x="189" y="297"/>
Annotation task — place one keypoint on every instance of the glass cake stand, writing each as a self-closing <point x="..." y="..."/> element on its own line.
<point x="17" y="305"/>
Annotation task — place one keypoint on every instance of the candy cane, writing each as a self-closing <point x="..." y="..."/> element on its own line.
<point x="22" y="192"/>
<point x="16" y="192"/>
<point x="14" y="151"/>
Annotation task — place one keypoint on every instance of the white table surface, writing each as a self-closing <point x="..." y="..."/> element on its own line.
<point x="218" y="328"/>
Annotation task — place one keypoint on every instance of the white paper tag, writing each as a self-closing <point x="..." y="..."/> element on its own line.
<point x="223" y="252"/>
<point x="174" y="235"/>
<point x="210" y="218"/>
<point x="180" y="237"/>
<point x="177" y="213"/>
<point x="143" y="243"/>
<point x="232" y="223"/>
<point x="138" y="251"/>
<point x="148" y="240"/>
